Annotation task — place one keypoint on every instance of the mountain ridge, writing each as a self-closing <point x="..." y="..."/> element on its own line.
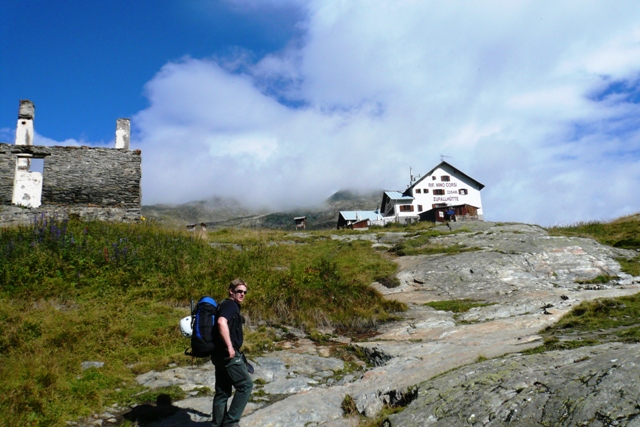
<point x="225" y="212"/>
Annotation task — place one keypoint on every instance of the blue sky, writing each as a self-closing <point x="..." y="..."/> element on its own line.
<point x="279" y="103"/>
<point x="85" y="63"/>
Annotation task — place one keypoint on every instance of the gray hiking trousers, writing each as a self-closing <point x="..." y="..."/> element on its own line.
<point x="230" y="373"/>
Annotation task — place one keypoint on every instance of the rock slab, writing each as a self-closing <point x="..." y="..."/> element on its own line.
<point x="590" y="386"/>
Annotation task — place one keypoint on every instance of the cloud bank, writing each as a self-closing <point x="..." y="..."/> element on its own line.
<point x="536" y="100"/>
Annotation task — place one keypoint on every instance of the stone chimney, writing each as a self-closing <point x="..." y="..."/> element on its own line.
<point x="24" y="129"/>
<point x="123" y="131"/>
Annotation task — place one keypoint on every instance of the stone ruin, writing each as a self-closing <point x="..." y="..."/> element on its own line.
<point x="84" y="182"/>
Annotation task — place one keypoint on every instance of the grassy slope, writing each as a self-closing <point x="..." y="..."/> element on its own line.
<point x="612" y="319"/>
<point x="75" y="292"/>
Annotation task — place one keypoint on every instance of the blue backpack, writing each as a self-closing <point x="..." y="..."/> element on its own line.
<point x="202" y="322"/>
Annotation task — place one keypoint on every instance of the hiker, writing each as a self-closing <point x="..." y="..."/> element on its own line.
<point x="229" y="362"/>
<point x="452" y="214"/>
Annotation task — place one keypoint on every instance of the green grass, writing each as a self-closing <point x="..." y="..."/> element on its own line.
<point x="601" y="279"/>
<point x="76" y="291"/>
<point x="348" y="406"/>
<point x="414" y="226"/>
<point x="630" y="266"/>
<point x="603" y="320"/>
<point x="458" y="305"/>
<point x="622" y="233"/>
<point x="607" y="314"/>
<point x="595" y="322"/>
<point x="436" y="249"/>
<point x="388" y="281"/>
<point x="420" y="244"/>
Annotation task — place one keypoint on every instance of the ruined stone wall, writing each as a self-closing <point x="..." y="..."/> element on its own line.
<point x="100" y="183"/>
<point x="7" y="172"/>
<point x="96" y="176"/>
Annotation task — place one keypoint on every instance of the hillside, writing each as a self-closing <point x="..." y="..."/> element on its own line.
<point x="79" y="296"/>
<point x="224" y="212"/>
<point x="210" y="210"/>
<point x="515" y="280"/>
<point x="393" y="327"/>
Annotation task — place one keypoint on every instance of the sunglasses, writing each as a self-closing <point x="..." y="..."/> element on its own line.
<point x="240" y="292"/>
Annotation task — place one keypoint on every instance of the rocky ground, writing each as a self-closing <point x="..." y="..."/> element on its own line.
<point x="590" y="386"/>
<point x="528" y="277"/>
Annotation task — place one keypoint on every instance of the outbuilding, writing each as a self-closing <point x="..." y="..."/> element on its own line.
<point x="359" y="219"/>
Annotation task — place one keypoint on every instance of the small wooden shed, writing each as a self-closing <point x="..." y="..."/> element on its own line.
<point x="301" y="222"/>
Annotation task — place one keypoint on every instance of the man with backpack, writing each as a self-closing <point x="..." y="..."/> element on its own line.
<point x="231" y="370"/>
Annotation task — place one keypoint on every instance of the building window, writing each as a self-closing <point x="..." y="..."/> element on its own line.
<point x="406" y="208"/>
<point x="425" y="190"/>
<point x="433" y="178"/>
<point x="418" y="190"/>
<point x="463" y="191"/>
<point x="438" y="192"/>
<point x="419" y="208"/>
<point x="445" y="178"/>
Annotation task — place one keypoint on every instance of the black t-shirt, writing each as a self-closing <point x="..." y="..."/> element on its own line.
<point x="230" y="310"/>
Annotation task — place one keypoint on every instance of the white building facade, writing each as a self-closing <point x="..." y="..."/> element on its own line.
<point x="444" y="189"/>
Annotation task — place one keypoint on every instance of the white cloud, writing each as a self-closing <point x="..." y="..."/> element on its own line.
<point x="507" y="89"/>
<point x="69" y="142"/>
<point x="8" y="136"/>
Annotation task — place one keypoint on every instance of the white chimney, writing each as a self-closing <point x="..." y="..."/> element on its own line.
<point x="24" y="129"/>
<point x="123" y="131"/>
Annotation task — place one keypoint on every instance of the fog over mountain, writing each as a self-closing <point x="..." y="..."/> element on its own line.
<point x="228" y="212"/>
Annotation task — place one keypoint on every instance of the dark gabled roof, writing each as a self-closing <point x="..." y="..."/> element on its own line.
<point x="443" y="163"/>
